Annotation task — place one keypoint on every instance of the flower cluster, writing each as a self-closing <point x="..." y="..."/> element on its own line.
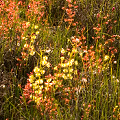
<point x="70" y="11"/>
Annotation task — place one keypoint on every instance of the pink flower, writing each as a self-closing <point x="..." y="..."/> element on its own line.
<point x="113" y="8"/>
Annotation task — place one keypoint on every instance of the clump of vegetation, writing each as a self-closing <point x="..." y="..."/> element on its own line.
<point x="59" y="59"/>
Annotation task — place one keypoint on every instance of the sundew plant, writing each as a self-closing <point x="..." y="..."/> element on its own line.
<point x="59" y="59"/>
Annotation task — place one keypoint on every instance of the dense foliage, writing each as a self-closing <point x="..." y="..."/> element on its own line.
<point x="60" y="59"/>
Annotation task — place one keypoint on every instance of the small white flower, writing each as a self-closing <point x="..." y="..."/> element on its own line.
<point x="84" y="80"/>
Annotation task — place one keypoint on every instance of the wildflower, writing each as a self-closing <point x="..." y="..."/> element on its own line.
<point x="34" y="97"/>
<point x="39" y="81"/>
<point x="75" y="40"/>
<point x="68" y="53"/>
<point x="27" y="23"/>
<point x="32" y="41"/>
<point x="72" y="60"/>
<point x="62" y="51"/>
<point x="62" y="58"/>
<point x="49" y="80"/>
<point x="35" y="86"/>
<point x="32" y="53"/>
<point x="84" y="80"/>
<point x="37" y="74"/>
<point x="48" y="64"/>
<point x="31" y="78"/>
<point x="69" y="63"/>
<point x="32" y="47"/>
<point x="68" y="75"/>
<point x="36" y="26"/>
<point x="55" y="68"/>
<point x="45" y="58"/>
<point x="74" y="50"/>
<point x="65" y="70"/>
<point x="41" y="87"/>
<point x="42" y="71"/>
<point x="113" y="76"/>
<point x="69" y="1"/>
<point x="64" y="76"/>
<point x="70" y="70"/>
<point x="48" y="50"/>
<point x="106" y="57"/>
<point x="38" y="91"/>
<point x="54" y="82"/>
<point x="38" y="100"/>
<point x="23" y="38"/>
<point x="36" y="69"/>
<point x="37" y="32"/>
<point x="76" y="62"/>
<point x="26" y="45"/>
<point x="115" y="62"/>
<point x="18" y="44"/>
<point x="33" y="37"/>
<point x="3" y="86"/>
<point x="117" y="80"/>
<point x="44" y="62"/>
<point x="75" y="72"/>
<point x="63" y="65"/>
<point x="31" y="96"/>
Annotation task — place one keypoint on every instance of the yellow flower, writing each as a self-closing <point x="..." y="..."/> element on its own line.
<point x="63" y="65"/>
<point x="38" y="91"/>
<point x="64" y="76"/>
<point x="72" y="60"/>
<point x="71" y="77"/>
<point x="65" y="70"/>
<point x="34" y="97"/>
<point x="31" y="78"/>
<point x="36" y="26"/>
<point x="76" y="62"/>
<point x="31" y="96"/>
<point x="26" y="45"/>
<point x="75" y="72"/>
<point x="32" y="40"/>
<point x="55" y="68"/>
<point x="38" y="100"/>
<point x="37" y="32"/>
<point x="62" y="58"/>
<point x="27" y="23"/>
<point x="71" y="70"/>
<point x="42" y="71"/>
<point x="32" y="53"/>
<point x="74" y="50"/>
<point x="106" y="57"/>
<point x="36" y="70"/>
<point x="68" y="75"/>
<point x="23" y="38"/>
<point x="49" y="80"/>
<point x="48" y="64"/>
<point x="33" y="37"/>
<point x="37" y="74"/>
<point x="68" y="53"/>
<point x="39" y="81"/>
<point x="44" y="62"/>
<point x="41" y="87"/>
<point x="62" y="51"/>
<point x="69" y="63"/>
<point x="32" y="47"/>
<point x="54" y="82"/>
<point x="45" y="58"/>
